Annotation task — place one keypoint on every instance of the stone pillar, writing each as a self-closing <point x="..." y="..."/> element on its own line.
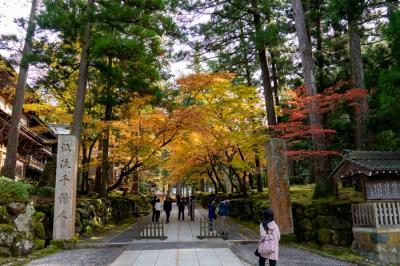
<point x="278" y="184"/>
<point x="65" y="194"/>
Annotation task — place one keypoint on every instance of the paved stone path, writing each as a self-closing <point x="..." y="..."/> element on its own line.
<point x="182" y="247"/>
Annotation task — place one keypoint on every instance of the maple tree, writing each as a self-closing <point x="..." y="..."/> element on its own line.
<point x="220" y="144"/>
<point x="295" y="127"/>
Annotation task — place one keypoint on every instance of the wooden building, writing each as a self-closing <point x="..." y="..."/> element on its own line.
<point x="37" y="142"/>
<point x="376" y="222"/>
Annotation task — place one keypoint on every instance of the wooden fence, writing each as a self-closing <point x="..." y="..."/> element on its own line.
<point x="149" y="229"/>
<point x="376" y="214"/>
<point x="210" y="229"/>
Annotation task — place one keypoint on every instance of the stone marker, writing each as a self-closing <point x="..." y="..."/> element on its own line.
<point x="65" y="194"/>
<point x="278" y="184"/>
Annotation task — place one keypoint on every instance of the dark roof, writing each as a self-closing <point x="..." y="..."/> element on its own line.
<point x="367" y="163"/>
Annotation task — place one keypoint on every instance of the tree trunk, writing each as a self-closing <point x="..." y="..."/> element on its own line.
<point x="242" y="186"/>
<point x="98" y="169"/>
<point x="209" y="173"/>
<point x="105" y="165"/>
<point x="79" y="109"/>
<point x="266" y="78"/>
<point x="358" y="80"/>
<point x="245" y="55"/>
<point x="135" y="183"/>
<point x="275" y="78"/>
<point x="221" y="186"/>
<point x="324" y="186"/>
<point x="15" y="123"/>
<point x="85" y="172"/>
<point x="258" y="173"/>
<point x="318" y="37"/>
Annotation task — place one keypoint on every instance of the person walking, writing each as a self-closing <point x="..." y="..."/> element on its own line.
<point x="153" y="205"/>
<point x="158" y="207"/>
<point x="268" y="247"/>
<point x="211" y="213"/>
<point x="191" y="206"/>
<point x="167" y="208"/>
<point x="223" y="212"/>
<point x="181" y="207"/>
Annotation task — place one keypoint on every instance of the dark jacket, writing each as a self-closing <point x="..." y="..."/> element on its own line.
<point x="153" y="204"/>
<point x="167" y="205"/>
<point x="181" y="204"/>
<point x="224" y="208"/>
<point x="211" y="211"/>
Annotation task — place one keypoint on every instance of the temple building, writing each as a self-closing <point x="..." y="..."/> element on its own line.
<point x="37" y="142"/>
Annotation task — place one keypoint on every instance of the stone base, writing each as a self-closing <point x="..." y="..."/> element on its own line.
<point x="381" y="245"/>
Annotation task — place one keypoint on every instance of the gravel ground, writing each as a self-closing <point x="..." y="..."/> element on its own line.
<point x="80" y="257"/>
<point x="287" y="257"/>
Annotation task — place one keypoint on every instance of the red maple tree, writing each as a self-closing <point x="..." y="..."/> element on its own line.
<point x="295" y="127"/>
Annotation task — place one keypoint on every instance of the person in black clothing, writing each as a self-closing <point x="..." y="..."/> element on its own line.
<point x="153" y="204"/>
<point x="181" y="207"/>
<point x="167" y="208"/>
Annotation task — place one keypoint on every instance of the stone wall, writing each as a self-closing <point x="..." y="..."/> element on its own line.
<point x="25" y="227"/>
<point x="21" y="229"/>
<point x="381" y="245"/>
<point x="325" y="222"/>
<point x="93" y="214"/>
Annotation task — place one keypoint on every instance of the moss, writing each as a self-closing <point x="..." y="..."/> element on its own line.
<point x="7" y="228"/>
<point x="38" y="244"/>
<point x="88" y="230"/>
<point x="38" y="230"/>
<point x="5" y="252"/>
<point x="305" y="225"/>
<point x="63" y="244"/>
<point x="4" y="216"/>
<point x="310" y="213"/>
<point x="324" y="236"/>
<point x="332" y="222"/>
<point x="38" y="216"/>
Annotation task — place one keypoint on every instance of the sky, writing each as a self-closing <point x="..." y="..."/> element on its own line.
<point x="12" y="9"/>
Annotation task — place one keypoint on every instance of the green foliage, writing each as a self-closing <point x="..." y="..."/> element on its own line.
<point x="393" y="34"/>
<point x="387" y="140"/>
<point x="13" y="191"/>
<point x="41" y="191"/>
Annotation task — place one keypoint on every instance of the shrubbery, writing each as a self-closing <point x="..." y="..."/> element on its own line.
<point x="13" y="191"/>
<point x="41" y="191"/>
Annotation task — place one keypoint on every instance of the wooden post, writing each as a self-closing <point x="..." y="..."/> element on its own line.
<point x="278" y="184"/>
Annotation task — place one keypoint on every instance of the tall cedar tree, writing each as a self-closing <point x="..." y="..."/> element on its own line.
<point x="321" y="166"/>
<point x="13" y="135"/>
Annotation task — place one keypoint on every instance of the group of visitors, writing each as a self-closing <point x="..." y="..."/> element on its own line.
<point x="181" y="203"/>
<point x="187" y="202"/>
<point x="268" y="246"/>
<point x="221" y="210"/>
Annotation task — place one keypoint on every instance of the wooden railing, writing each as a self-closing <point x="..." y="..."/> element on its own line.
<point x="376" y="214"/>
<point x="149" y="229"/>
<point x="210" y="229"/>
<point x="36" y="164"/>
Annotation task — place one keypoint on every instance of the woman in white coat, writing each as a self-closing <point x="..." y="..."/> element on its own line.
<point x="268" y="226"/>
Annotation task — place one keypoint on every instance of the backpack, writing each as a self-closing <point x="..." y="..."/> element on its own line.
<point x="267" y="245"/>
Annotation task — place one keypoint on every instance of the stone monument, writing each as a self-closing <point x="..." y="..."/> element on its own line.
<point x="278" y="184"/>
<point x="65" y="193"/>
